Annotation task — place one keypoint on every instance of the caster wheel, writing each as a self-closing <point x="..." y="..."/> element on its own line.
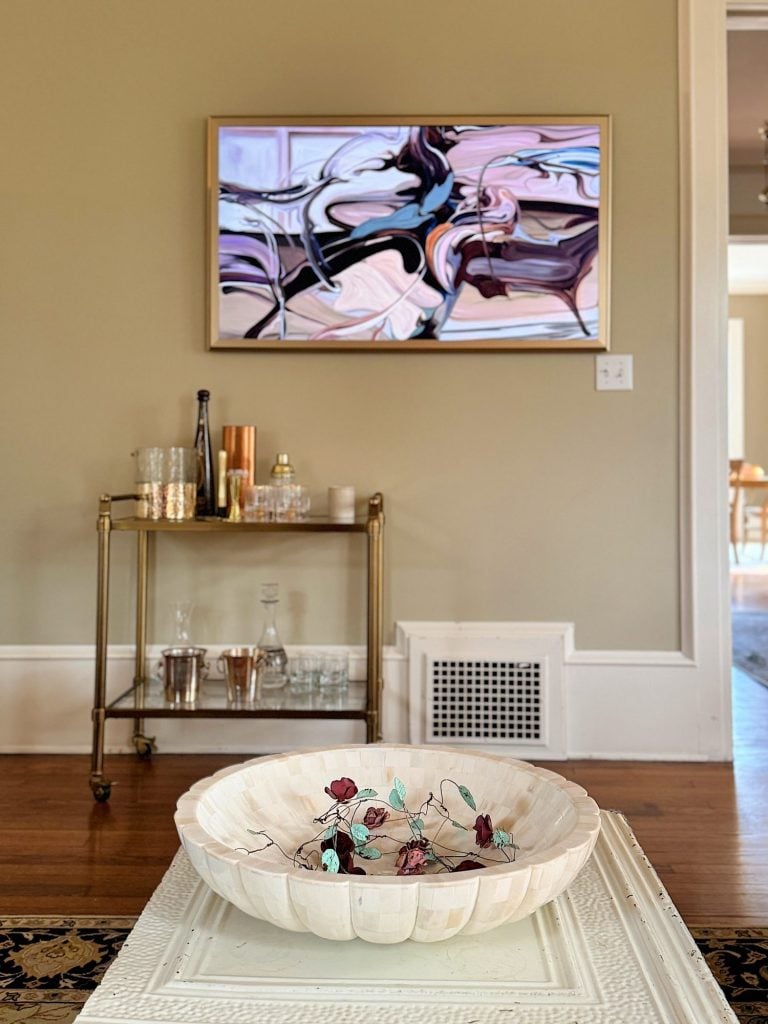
<point x="101" y="791"/>
<point x="145" y="746"/>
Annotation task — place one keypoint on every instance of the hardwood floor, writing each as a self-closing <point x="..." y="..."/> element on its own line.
<point x="704" y="826"/>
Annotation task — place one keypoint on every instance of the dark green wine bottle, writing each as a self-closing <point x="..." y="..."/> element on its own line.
<point x="206" y="491"/>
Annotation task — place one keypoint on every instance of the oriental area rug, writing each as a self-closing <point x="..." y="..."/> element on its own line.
<point x="49" y="966"/>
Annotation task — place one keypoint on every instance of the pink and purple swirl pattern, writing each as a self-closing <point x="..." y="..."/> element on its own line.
<point x="455" y="234"/>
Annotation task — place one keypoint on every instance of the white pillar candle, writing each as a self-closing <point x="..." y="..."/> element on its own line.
<point x="341" y="503"/>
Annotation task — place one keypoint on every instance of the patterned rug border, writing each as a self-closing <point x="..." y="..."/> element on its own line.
<point x="31" y="995"/>
<point x="71" y="921"/>
<point x="721" y="931"/>
<point x="724" y="931"/>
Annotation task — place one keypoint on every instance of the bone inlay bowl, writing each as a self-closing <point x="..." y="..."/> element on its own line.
<point x="553" y="821"/>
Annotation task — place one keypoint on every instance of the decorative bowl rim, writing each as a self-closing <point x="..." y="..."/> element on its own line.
<point x="585" y="829"/>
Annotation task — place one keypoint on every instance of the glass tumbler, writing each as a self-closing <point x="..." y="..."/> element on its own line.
<point x="303" y="670"/>
<point x="180" y="484"/>
<point x="259" y="503"/>
<point x="334" y="673"/>
<point x="292" y="503"/>
<point x="150" y="470"/>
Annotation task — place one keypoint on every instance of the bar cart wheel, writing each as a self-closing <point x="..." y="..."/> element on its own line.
<point x="145" y="746"/>
<point x="101" y="789"/>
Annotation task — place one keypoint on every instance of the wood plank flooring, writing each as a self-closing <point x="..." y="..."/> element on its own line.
<point x="704" y="826"/>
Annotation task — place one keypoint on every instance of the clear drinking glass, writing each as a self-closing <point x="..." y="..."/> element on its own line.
<point x="292" y="503"/>
<point x="272" y="659"/>
<point x="180" y="484"/>
<point x="150" y="469"/>
<point x="303" y="670"/>
<point x="334" y="673"/>
<point x="259" y="503"/>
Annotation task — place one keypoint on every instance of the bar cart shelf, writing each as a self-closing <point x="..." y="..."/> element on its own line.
<point x="145" y="698"/>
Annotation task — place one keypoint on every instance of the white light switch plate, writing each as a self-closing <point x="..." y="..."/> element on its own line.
<point x="613" y="373"/>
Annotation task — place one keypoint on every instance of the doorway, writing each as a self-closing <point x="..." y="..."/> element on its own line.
<point x="747" y="43"/>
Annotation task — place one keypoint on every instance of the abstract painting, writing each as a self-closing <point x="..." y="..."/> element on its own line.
<point x="378" y="234"/>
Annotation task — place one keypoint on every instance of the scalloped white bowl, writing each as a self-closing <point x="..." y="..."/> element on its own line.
<point x="553" y="821"/>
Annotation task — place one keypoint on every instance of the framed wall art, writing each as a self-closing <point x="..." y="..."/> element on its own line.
<point x="441" y="234"/>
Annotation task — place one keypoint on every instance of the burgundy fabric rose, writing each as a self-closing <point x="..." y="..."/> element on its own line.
<point x="483" y="830"/>
<point x="412" y="858"/>
<point x="468" y="865"/>
<point x="411" y="862"/>
<point x="375" y="816"/>
<point x="344" y="845"/>
<point x="341" y="790"/>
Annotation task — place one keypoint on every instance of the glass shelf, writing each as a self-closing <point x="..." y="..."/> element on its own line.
<point x="147" y="700"/>
<point x="314" y="524"/>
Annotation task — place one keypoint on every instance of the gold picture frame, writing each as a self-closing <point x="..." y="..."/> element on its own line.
<point x="449" y="234"/>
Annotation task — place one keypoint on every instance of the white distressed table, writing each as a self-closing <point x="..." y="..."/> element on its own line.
<point x="611" y="950"/>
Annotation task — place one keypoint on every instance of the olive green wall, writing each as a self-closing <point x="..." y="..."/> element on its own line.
<point x="753" y="310"/>
<point x="514" y="490"/>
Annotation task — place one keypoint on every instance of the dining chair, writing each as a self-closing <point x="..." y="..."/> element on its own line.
<point x="734" y="472"/>
<point x="751" y="517"/>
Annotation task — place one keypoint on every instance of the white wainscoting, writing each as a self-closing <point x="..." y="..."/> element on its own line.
<point x="641" y="705"/>
<point x="46" y="695"/>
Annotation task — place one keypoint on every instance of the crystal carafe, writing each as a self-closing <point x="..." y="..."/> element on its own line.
<point x="272" y="659"/>
<point x="181" y="614"/>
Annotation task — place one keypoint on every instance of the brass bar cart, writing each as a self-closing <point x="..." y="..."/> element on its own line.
<point x="145" y="698"/>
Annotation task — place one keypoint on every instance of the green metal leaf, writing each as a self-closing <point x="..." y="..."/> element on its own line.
<point x="360" y="833"/>
<point x="396" y="800"/>
<point x="399" y="787"/>
<point x="417" y="824"/>
<point x="457" y="824"/>
<point x="467" y="797"/>
<point x="366" y="794"/>
<point x="370" y="853"/>
<point x="330" y="832"/>
<point x="500" y="837"/>
<point x="331" y="861"/>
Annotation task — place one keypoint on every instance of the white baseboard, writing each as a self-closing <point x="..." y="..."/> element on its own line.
<point x="638" y="705"/>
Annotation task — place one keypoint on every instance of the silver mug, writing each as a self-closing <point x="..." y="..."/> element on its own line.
<point x="239" y="668"/>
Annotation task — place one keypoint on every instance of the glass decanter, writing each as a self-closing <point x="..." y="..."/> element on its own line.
<point x="272" y="659"/>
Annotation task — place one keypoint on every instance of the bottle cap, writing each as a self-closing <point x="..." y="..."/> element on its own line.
<point x="203" y="395"/>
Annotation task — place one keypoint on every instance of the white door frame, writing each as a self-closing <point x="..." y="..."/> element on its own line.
<point x="703" y="351"/>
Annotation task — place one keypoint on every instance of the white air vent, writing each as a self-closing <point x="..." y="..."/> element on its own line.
<point x="495" y="685"/>
<point x="484" y="702"/>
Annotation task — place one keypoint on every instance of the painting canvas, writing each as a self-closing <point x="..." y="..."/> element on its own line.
<point x="490" y="234"/>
